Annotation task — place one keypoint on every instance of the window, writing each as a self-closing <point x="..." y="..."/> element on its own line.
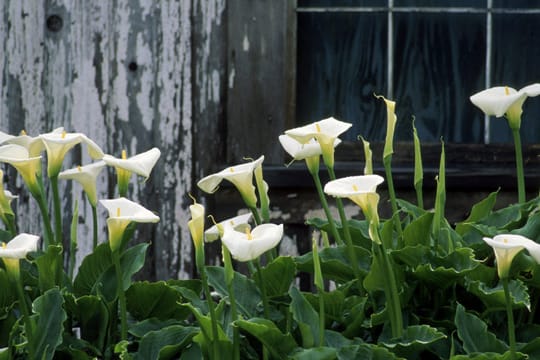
<point x="429" y="56"/>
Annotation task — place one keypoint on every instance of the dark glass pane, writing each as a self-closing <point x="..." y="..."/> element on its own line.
<point x="515" y="56"/>
<point x="334" y="3"/>
<point x="341" y="63"/>
<point x="442" y="3"/>
<point x="516" y="4"/>
<point x="439" y="61"/>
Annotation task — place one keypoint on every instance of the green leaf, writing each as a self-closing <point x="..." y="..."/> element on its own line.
<point x="155" y="300"/>
<point x="495" y="298"/>
<point x="443" y="271"/>
<point x="49" y="266"/>
<point x="306" y="318"/>
<point x="142" y="328"/>
<point x="414" y="211"/>
<point x="97" y="274"/>
<point x="334" y="304"/>
<point x="531" y="229"/>
<point x="280" y="345"/>
<point x="418" y="232"/>
<point x="246" y="292"/>
<point x="474" y="334"/>
<point x="48" y="318"/>
<point x="166" y="343"/>
<point x="479" y="211"/>
<point x="365" y="352"/>
<point x="93" y="316"/>
<point x="318" y="353"/>
<point x="278" y="276"/>
<point x="335" y="264"/>
<point x="414" y="340"/>
<point x="490" y="356"/>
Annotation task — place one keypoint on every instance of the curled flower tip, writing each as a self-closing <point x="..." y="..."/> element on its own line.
<point x="124" y="154"/>
<point x="192" y="198"/>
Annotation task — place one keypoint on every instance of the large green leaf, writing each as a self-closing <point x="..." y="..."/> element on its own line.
<point x="155" y="300"/>
<point x="531" y="229"/>
<point x="415" y="339"/>
<point x="359" y="230"/>
<point x="48" y="320"/>
<point x="166" y="343"/>
<point x="97" y="274"/>
<point x="306" y="318"/>
<point x="443" y="271"/>
<point x="335" y="263"/>
<point x="365" y="352"/>
<point x="49" y="266"/>
<point x="334" y="304"/>
<point x="418" y="232"/>
<point x="144" y="327"/>
<point x="280" y="345"/>
<point x="474" y="334"/>
<point x="494" y="298"/>
<point x="413" y="210"/>
<point x="246" y="292"/>
<point x="490" y="356"/>
<point x="93" y="316"/>
<point x="278" y="276"/>
<point x="318" y="353"/>
<point x="479" y="211"/>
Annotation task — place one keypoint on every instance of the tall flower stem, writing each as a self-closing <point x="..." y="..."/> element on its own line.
<point x="324" y="204"/>
<point x="346" y="232"/>
<point x="48" y="236"/>
<point x="57" y="210"/>
<point x="387" y="162"/>
<point x="519" y="166"/>
<point x="266" y="307"/>
<point x="510" y="318"/>
<point x="199" y="262"/>
<point x="229" y="279"/>
<point x="95" y="226"/>
<point x="121" y="295"/>
<point x="392" y="294"/>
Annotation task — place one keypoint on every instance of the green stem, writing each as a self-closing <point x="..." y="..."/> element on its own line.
<point x="321" y="317"/>
<point x="229" y="278"/>
<point x="387" y="162"/>
<point x="393" y="301"/>
<point x="327" y="212"/>
<point x="14" y="274"/>
<point x="346" y="232"/>
<point x="419" y="195"/>
<point x="57" y="211"/>
<point x="200" y="263"/>
<point x="95" y="226"/>
<point x="519" y="166"/>
<point x="266" y="307"/>
<point x="510" y="318"/>
<point x="121" y="295"/>
<point x="48" y="236"/>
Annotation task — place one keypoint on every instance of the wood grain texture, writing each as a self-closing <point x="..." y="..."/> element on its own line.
<point x="120" y="72"/>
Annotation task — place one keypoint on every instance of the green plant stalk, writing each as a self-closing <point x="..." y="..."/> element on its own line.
<point x="266" y="307"/>
<point x="229" y="278"/>
<point x="201" y="267"/>
<point x="326" y="209"/>
<point x="95" y="226"/>
<point x="13" y="270"/>
<point x="519" y="166"/>
<point x="73" y="239"/>
<point x="396" y="319"/>
<point x="345" y="225"/>
<point x="319" y="284"/>
<point x="48" y="236"/>
<point x="57" y="210"/>
<point x="121" y="295"/>
<point x="387" y="162"/>
<point x="9" y="221"/>
<point x="510" y="318"/>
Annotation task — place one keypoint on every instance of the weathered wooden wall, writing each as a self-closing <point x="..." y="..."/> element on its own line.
<point x="128" y="74"/>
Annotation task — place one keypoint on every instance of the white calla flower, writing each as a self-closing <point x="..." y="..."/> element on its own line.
<point x="140" y="164"/>
<point x="86" y="176"/>
<point x="506" y="247"/>
<point x="249" y="245"/>
<point x="19" y="246"/>
<point x="239" y="223"/>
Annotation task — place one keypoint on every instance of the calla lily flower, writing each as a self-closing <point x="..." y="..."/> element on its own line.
<point x="87" y="177"/>
<point x="503" y="100"/>
<point x="362" y="191"/>
<point x="506" y="247"/>
<point x="239" y="223"/>
<point x="6" y="197"/>
<point x="299" y="151"/>
<point x="249" y="245"/>
<point x="390" y="125"/>
<point x="19" y="246"/>
<point x="58" y="144"/>
<point x="196" y="224"/>
<point x="34" y="144"/>
<point x="325" y="132"/>
<point x="18" y="157"/>
<point x="122" y="212"/>
<point x="241" y="176"/>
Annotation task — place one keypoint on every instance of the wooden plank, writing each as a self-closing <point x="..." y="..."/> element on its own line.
<point x="257" y="104"/>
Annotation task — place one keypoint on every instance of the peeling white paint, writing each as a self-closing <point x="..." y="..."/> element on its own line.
<point x="119" y="101"/>
<point x="231" y="78"/>
<point x="288" y="246"/>
<point x="245" y="43"/>
<point x="215" y="86"/>
<point x="350" y="211"/>
<point x="145" y="72"/>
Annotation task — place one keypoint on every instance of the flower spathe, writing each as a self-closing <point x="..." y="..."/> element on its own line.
<point x="300" y="151"/>
<point x="86" y="176"/>
<point x="239" y="223"/>
<point x="122" y="212"/>
<point x="507" y="246"/>
<point x="19" y="246"/>
<point x="249" y="245"/>
<point x="196" y="224"/>
<point x="503" y="100"/>
<point x="58" y="144"/>
<point x="325" y="132"/>
<point x="140" y="164"/>
<point x="27" y="166"/>
<point x="241" y="176"/>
